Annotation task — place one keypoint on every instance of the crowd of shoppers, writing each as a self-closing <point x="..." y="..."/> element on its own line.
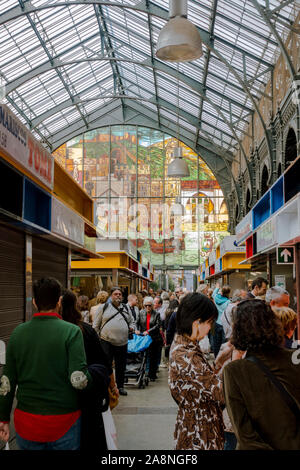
<point x="75" y="361"/>
<point x="253" y="374"/>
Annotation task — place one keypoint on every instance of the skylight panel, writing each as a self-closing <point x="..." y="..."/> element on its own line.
<point x="137" y="24"/>
<point x="193" y="110"/>
<point x="6" y="5"/>
<point x="139" y="44"/>
<point x="146" y="85"/>
<point x="199" y="15"/>
<point x="72" y="114"/>
<point x="151" y="106"/>
<point x="58" y="125"/>
<point x="94" y="105"/>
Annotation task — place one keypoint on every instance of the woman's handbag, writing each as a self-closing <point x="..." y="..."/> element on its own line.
<point x="110" y="430"/>
<point x="113" y="399"/>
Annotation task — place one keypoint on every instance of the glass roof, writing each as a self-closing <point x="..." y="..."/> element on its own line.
<point x="63" y="60"/>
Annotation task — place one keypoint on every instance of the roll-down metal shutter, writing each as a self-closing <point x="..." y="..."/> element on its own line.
<point x="12" y="280"/>
<point x="49" y="260"/>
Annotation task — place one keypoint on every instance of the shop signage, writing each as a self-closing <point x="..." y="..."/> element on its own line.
<point x="280" y="281"/>
<point x="244" y="228"/>
<point x="17" y="142"/>
<point x="140" y="269"/>
<point x="212" y="257"/>
<point x="206" y="272"/>
<point x="266" y="235"/>
<point x="228" y="244"/>
<point x="66" y="222"/>
<point x="218" y="265"/>
<point x="90" y="243"/>
<point x="285" y="255"/>
<point x="132" y="249"/>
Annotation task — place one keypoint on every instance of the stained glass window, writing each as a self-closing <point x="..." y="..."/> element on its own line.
<point x="173" y="222"/>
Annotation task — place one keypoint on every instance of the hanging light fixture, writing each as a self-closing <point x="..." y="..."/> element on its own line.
<point x="179" y="40"/>
<point x="178" y="168"/>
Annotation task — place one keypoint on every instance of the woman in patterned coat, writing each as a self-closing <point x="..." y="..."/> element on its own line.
<point x="193" y="382"/>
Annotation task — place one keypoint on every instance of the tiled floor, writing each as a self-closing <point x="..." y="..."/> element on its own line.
<point x="145" y="419"/>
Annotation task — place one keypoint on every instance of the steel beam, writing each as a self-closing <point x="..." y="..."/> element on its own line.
<point x="154" y="10"/>
<point x="266" y="15"/>
<point x="32" y="24"/>
<point x="109" y="48"/>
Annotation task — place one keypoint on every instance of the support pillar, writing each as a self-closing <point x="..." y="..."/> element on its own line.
<point x="28" y="277"/>
<point x="69" y="269"/>
<point x="115" y="276"/>
<point x="269" y="269"/>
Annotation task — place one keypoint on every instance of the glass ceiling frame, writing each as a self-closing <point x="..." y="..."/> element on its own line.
<point x="79" y="56"/>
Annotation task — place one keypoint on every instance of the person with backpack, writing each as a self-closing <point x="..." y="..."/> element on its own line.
<point x="114" y="324"/>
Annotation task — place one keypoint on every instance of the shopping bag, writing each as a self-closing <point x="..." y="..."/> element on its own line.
<point x="139" y="343"/>
<point x="113" y="399"/>
<point x="110" y="430"/>
<point x="7" y="447"/>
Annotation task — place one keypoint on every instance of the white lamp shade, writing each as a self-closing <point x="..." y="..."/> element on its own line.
<point x="178" y="168"/>
<point x="179" y="41"/>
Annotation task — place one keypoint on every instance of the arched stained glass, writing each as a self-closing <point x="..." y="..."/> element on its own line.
<point x="173" y="222"/>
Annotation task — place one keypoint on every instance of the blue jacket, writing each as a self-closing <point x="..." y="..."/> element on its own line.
<point x="221" y="303"/>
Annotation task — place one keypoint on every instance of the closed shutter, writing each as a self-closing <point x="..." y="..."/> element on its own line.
<point x="12" y="280"/>
<point x="49" y="260"/>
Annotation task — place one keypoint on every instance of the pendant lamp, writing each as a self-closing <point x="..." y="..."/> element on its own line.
<point x="179" y="40"/>
<point x="178" y="168"/>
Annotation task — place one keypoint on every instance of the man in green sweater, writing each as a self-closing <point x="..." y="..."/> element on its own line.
<point x="46" y="360"/>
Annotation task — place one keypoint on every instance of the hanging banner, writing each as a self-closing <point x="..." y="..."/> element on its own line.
<point x="244" y="228"/>
<point x="266" y="235"/>
<point x="18" y="143"/>
<point x="218" y="265"/>
<point x="66" y="222"/>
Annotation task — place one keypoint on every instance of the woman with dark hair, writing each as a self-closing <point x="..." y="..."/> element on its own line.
<point x="92" y="400"/>
<point x="193" y="383"/>
<point x="258" y="410"/>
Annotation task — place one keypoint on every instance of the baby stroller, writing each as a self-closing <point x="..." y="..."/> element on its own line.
<point x="136" y="360"/>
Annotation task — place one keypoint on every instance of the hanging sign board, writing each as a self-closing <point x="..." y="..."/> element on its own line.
<point x="218" y="266"/>
<point x="244" y="228"/>
<point x="266" y="235"/>
<point x="285" y="255"/>
<point x="280" y="281"/>
<point x="17" y="142"/>
<point x="66" y="222"/>
<point x="212" y="258"/>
